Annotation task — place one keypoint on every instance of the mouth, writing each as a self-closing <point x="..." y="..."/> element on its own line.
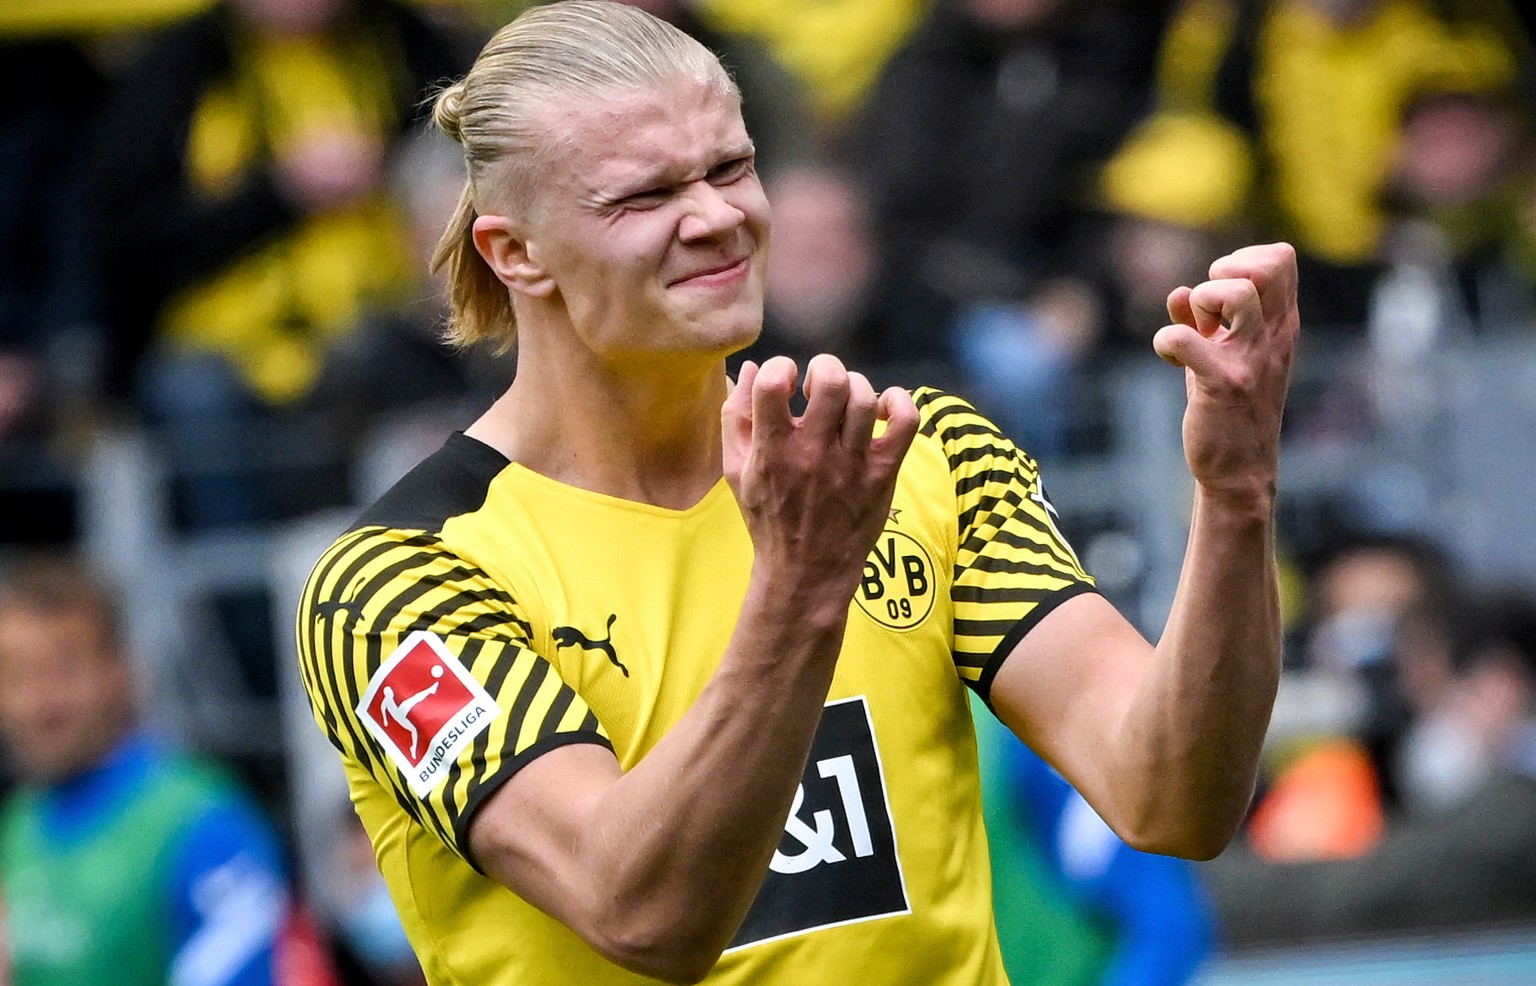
<point x="726" y="272"/>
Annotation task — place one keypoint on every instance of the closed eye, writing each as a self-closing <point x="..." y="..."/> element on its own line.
<point x="732" y="170"/>
<point x="648" y="199"/>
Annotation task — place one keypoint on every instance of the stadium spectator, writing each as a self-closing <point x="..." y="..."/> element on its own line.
<point x="250" y="226"/>
<point x="1321" y="85"/>
<point x="819" y="296"/>
<point x="121" y="861"/>
<point x="249" y="233"/>
<point x="979" y="144"/>
<point x="1454" y="226"/>
<point x="1375" y="656"/>
<point x="1176" y="191"/>
<point x="1471" y="859"/>
<point x="834" y="47"/>
<point x="641" y="672"/>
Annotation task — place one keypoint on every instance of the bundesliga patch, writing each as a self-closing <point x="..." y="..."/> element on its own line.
<point x="423" y="707"/>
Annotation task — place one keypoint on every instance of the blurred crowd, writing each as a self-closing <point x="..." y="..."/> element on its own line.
<point x="215" y="219"/>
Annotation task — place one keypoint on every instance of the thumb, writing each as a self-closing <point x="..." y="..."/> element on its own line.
<point x="1184" y="346"/>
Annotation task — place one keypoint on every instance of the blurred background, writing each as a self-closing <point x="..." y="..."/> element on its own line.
<point x="218" y="339"/>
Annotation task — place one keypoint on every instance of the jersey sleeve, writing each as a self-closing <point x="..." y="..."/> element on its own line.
<point x="419" y="669"/>
<point x="1012" y="563"/>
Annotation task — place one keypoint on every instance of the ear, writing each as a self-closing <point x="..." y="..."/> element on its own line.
<point x="506" y="249"/>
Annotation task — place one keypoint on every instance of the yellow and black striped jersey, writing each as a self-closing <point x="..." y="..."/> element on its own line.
<point x="480" y="614"/>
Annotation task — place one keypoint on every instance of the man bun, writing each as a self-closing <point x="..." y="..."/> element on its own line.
<point x="448" y="111"/>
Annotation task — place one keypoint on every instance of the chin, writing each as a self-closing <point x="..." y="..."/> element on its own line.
<point x="726" y="332"/>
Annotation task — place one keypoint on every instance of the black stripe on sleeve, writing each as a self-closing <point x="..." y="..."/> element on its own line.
<point x="510" y="766"/>
<point x="1029" y="622"/>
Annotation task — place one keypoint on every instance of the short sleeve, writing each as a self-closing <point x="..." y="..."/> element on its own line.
<point x="1012" y="563"/>
<point x="418" y="667"/>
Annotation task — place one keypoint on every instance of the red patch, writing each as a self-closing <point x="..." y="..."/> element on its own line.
<point x="412" y="701"/>
<point x="425" y="709"/>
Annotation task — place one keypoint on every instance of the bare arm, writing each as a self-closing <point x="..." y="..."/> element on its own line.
<point x="1164" y="741"/>
<point x="657" y="867"/>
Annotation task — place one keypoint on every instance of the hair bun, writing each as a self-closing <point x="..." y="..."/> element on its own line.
<point x="447" y="111"/>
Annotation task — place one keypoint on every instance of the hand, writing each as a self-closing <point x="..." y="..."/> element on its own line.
<point x="1235" y="335"/>
<point x="815" y="490"/>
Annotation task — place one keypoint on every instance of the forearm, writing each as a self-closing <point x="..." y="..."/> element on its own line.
<point x="714" y="793"/>
<point x="1198" y="717"/>
<point x="658" y="868"/>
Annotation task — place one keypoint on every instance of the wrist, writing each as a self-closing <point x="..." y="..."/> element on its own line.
<point x="1252" y="497"/>
<point x="797" y="605"/>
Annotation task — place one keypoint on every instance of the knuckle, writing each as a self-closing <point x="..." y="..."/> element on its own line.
<point x="1240" y="378"/>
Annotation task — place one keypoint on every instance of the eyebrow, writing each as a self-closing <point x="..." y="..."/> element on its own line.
<point x="668" y="176"/>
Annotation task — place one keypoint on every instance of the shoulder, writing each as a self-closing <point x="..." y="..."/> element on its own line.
<point x="450" y="482"/>
<point x="968" y="439"/>
<point x="943" y="413"/>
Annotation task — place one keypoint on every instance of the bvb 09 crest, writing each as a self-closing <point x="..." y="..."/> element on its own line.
<point x="896" y="589"/>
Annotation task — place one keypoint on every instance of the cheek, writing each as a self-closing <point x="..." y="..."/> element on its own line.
<point x="759" y="214"/>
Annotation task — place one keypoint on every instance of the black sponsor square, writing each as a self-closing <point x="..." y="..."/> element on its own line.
<point x="836" y="862"/>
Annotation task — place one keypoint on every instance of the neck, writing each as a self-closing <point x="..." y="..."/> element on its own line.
<point x="649" y="434"/>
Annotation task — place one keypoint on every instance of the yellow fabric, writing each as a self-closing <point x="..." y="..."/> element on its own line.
<point x="970" y="551"/>
<point x="274" y="311"/>
<point x="20" y="18"/>
<point x="1197" y="40"/>
<point x="836" y="47"/>
<point x="1188" y="168"/>
<point x="1331" y="100"/>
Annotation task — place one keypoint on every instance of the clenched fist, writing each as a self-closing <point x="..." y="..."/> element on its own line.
<point x="1235" y="335"/>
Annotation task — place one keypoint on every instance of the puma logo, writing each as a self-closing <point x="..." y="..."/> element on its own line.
<point x="330" y="609"/>
<point x="568" y="636"/>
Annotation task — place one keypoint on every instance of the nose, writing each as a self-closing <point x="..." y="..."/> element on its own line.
<point x="708" y="214"/>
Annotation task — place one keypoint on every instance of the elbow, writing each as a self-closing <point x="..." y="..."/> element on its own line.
<point x="1195" y="845"/>
<point x="673" y="951"/>
<point x="665" y="964"/>
<point x="1196" y="833"/>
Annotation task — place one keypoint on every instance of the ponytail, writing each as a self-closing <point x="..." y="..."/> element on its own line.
<point x="480" y="309"/>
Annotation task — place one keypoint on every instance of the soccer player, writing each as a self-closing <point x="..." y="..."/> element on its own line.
<point x="700" y="660"/>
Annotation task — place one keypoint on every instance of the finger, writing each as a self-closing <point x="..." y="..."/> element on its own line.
<point x="738" y="395"/>
<point x="736" y="419"/>
<point x="826" y="394"/>
<point x="1232" y="302"/>
<point x="771" y="390"/>
<point x="1270" y="266"/>
<point x="1178" y="306"/>
<point x="1184" y="345"/>
<point x="859" y="418"/>
<point x="896" y="409"/>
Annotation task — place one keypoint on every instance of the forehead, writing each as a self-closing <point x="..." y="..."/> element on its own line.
<point x="29" y="637"/>
<point x="667" y="133"/>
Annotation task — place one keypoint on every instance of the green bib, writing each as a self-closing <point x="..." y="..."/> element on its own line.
<point x="94" y="911"/>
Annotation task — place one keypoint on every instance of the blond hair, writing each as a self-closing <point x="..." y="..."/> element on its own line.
<point x="548" y="56"/>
